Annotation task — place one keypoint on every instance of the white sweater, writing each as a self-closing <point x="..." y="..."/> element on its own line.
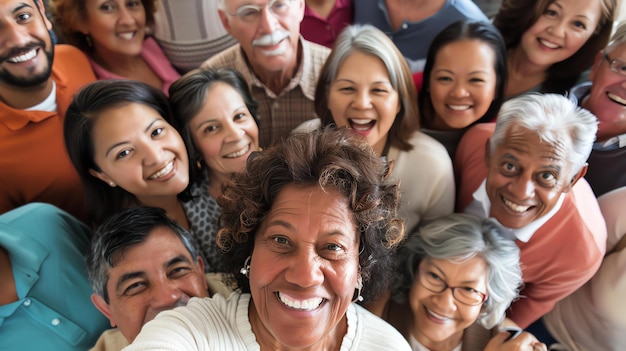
<point x="221" y="324"/>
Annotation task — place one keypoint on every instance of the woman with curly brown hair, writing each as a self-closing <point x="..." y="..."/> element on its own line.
<point x="309" y="227"/>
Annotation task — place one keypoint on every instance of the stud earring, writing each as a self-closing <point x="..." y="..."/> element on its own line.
<point x="111" y="184"/>
<point x="245" y="270"/>
<point x="88" y="40"/>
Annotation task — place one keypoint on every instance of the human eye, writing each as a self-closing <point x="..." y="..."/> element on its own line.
<point x="550" y="12"/>
<point x="248" y="12"/>
<point x="122" y="154"/>
<point x="24" y="17"/>
<point x="443" y="79"/>
<point x="209" y="129"/>
<point x="107" y="7"/>
<point x="279" y="6"/>
<point x="179" y="271"/>
<point x="157" y="131"/>
<point x="134" y="288"/>
<point x="619" y="66"/>
<point x="133" y="4"/>
<point x="547" y="178"/>
<point x="508" y="168"/>
<point x="241" y="117"/>
<point x="580" y="24"/>
<point x="476" y="80"/>
<point x="383" y="90"/>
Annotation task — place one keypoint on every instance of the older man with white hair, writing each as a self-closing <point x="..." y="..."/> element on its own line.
<point x="279" y="65"/>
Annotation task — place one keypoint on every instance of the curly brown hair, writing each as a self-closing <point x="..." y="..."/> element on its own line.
<point x="331" y="159"/>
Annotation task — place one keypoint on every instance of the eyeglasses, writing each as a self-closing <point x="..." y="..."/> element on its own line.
<point x="252" y="13"/>
<point x="463" y="294"/>
<point x="616" y="65"/>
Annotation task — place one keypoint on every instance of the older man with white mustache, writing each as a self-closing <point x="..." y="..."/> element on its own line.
<point x="280" y="66"/>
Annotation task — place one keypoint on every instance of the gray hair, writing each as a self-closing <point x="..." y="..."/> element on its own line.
<point x="459" y="237"/>
<point x="618" y="39"/>
<point x="369" y="40"/>
<point x="122" y="231"/>
<point x="551" y="116"/>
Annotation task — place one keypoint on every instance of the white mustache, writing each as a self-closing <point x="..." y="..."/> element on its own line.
<point x="271" y="39"/>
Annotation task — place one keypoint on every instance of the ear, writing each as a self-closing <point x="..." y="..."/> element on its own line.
<point x="596" y="64"/>
<point x="201" y="269"/>
<point x="300" y="11"/>
<point x="103" y="307"/>
<point x="42" y="11"/>
<point x="224" y="20"/>
<point x="575" y="178"/>
<point x="103" y="177"/>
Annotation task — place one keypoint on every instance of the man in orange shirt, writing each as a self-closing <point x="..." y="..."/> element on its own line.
<point x="37" y="82"/>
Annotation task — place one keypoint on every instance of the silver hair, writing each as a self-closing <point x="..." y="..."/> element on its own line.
<point x="617" y="39"/>
<point x="551" y="116"/>
<point x="459" y="237"/>
<point x="369" y="40"/>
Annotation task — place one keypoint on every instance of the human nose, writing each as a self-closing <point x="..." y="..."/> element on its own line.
<point x="125" y="16"/>
<point x="558" y="28"/>
<point x="152" y="154"/>
<point x="268" y="21"/>
<point x="233" y="132"/>
<point x="362" y="100"/>
<point x="445" y="299"/>
<point x="305" y="270"/>
<point x="459" y="90"/>
<point x="523" y="187"/>
<point x="166" y="295"/>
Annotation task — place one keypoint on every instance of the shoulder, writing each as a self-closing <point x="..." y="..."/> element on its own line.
<point x="426" y="150"/>
<point x="469" y="10"/>
<point x="68" y="56"/>
<point x="373" y="333"/>
<point x="225" y="58"/>
<point x="39" y="218"/>
<point x="308" y="126"/>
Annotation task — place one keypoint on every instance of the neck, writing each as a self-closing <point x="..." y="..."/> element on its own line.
<point x="330" y="342"/>
<point x="437" y="345"/>
<point x="276" y="81"/>
<point x="121" y="65"/>
<point x="520" y="65"/>
<point x="216" y="181"/>
<point x="172" y="206"/>
<point x="24" y="97"/>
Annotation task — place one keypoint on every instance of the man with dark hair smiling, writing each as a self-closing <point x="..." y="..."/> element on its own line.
<point x="37" y="82"/>
<point x="141" y="263"/>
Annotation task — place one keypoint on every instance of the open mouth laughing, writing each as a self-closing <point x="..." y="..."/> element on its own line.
<point x="616" y="99"/>
<point x="238" y="153"/>
<point x="515" y="207"/>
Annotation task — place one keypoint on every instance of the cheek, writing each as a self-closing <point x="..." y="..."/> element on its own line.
<point x="337" y="107"/>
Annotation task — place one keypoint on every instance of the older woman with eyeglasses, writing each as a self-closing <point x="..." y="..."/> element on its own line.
<point x="454" y="280"/>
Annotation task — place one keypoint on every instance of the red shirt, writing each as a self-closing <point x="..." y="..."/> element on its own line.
<point x="324" y="31"/>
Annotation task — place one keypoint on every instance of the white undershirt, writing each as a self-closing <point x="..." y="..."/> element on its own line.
<point x="49" y="104"/>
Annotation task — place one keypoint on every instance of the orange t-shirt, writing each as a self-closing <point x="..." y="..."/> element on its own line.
<point x="34" y="164"/>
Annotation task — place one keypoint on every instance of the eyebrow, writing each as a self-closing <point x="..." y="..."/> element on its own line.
<point x="177" y="259"/>
<point x="353" y="82"/>
<point x="128" y="276"/>
<point x="22" y="6"/>
<point x="125" y="142"/>
<point x="444" y="275"/>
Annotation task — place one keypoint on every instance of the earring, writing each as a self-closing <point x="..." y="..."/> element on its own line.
<point x="357" y="291"/>
<point x="88" y="40"/>
<point x="199" y="165"/>
<point x="111" y="184"/>
<point x="245" y="270"/>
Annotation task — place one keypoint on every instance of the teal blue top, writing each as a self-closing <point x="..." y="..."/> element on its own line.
<point x="46" y="248"/>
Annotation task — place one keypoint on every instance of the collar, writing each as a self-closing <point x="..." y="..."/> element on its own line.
<point x="307" y="85"/>
<point x="417" y="346"/>
<point x="614" y="143"/>
<point x="16" y="119"/>
<point x="481" y="206"/>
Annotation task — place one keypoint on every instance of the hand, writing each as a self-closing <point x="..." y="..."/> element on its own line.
<point x="524" y="342"/>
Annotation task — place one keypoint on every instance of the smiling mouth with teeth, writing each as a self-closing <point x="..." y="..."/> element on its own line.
<point x="616" y="98"/>
<point x="302" y="305"/>
<point x="515" y="207"/>
<point x="239" y="153"/>
<point x="23" y="57"/>
<point x="165" y="170"/>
